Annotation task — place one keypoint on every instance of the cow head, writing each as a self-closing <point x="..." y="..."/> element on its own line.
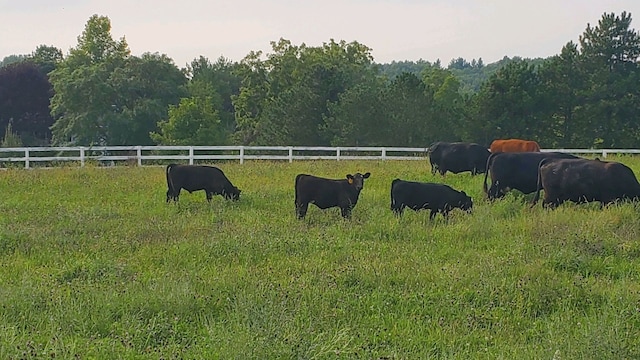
<point x="233" y="194"/>
<point x="357" y="180"/>
<point x="465" y="203"/>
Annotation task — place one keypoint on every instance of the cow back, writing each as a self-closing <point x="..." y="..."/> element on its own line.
<point x="514" y="145"/>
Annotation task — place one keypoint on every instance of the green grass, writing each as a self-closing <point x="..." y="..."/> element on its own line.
<point x="94" y="264"/>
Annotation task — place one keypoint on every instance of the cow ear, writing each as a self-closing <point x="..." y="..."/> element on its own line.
<point x="366" y="176"/>
<point x="350" y="178"/>
<point x="463" y="193"/>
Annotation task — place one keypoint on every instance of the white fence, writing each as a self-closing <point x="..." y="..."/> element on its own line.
<point x="149" y="155"/>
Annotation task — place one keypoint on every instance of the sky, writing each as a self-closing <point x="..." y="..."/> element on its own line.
<point x="395" y="30"/>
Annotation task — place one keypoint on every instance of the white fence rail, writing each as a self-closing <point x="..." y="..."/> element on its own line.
<point x="147" y="155"/>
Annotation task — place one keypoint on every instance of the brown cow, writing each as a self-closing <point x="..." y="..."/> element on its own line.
<point x="514" y="145"/>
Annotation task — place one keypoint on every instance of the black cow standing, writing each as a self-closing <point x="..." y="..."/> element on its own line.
<point x="513" y="170"/>
<point x="327" y="193"/>
<point x="457" y="157"/>
<point x="583" y="180"/>
<point x="199" y="177"/>
<point x="438" y="198"/>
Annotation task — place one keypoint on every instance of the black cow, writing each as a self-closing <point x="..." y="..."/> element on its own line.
<point x="199" y="177"/>
<point x="513" y="170"/>
<point x="435" y="197"/>
<point x="326" y="193"/>
<point x="583" y="180"/>
<point x="457" y="157"/>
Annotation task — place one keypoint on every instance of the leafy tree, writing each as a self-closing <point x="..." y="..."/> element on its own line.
<point x="564" y="80"/>
<point x="103" y="95"/>
<point x="610" y="54"/>
<point x="358" y="118"/>
<point x="194" y="121"/>
<point x="147" y="86"/>
<point x="509" y="104"/>
<point x="46" y="57"/>
<point x="397" y="68"/>
<point x="24" y="102"/>
<point x="251" y="99"/>
<point x="408" y="112"/>
<point x="443" y="89"/>
<point x="11" y="59"/>
<point x="284" y="99"/>
<point x="225" y="81"/>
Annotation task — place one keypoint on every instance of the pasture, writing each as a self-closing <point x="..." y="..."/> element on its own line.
<point x="94" y="264"/>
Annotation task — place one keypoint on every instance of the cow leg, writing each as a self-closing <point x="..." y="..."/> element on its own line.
<point x="301" y="210"/>
<point x="397" y="211"/>
<point x="495" y="191"/>
<point x="209" y="195"/>
<point x="433" y="214"/>
<point x="346" y="212"/>
<point x="172" y="195"/>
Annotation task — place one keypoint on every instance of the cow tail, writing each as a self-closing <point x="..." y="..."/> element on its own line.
<point x="169" y="179"/>
<point x="539" y="184"/>
<point x="486" y="172"/>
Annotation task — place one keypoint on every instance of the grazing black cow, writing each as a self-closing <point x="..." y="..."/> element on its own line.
<point x="583" y="180"/>
<point x="515" y="170"/>
<point x="435" y="197"/>
<point x="326" y="193"/>
<point x="457" y="157"/>
<point x="199" y="177"/>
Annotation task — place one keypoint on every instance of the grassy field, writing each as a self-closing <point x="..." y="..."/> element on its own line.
<point x="94" y="264"/>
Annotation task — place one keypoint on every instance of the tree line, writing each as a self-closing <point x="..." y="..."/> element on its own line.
<point x="331" y="95"/>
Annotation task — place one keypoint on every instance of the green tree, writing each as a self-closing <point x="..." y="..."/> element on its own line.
<point x="610" y="54"/>
<point x="510" y="104"/>
<point x="194" y="121"/>
<point x="564" y="81"/>
<point x="11" y="59"/>
<point x="251" y="99"/>
<point x="105" y="96"/>
<point x="46" y="57"/>
<point x="358" y="117"/>
<point x="147" y="85"/>
<point x="285" y="99"/>
<point x="408" y="112"/>
<point x="223" y="77"/>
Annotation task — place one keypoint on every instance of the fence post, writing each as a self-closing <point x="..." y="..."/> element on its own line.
<point x="241" y="154"/>
<point x="338" y="153"/>
<point x="384" y="154"/>
<point x="82" y="156"/>
<point x="604" y="153"/>
<point x="139" y="154"/>
<point x="290" y="154"/>
<point x="26" y="158"/>
<point x="190" y="155"/>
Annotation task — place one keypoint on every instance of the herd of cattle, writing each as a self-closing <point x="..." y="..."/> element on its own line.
<point x="510" y="164"/>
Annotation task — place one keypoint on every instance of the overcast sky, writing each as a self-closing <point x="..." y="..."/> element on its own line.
<point x="393" y="29"/>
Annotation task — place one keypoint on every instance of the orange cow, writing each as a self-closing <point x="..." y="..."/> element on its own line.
<point x="514" y="145"/>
